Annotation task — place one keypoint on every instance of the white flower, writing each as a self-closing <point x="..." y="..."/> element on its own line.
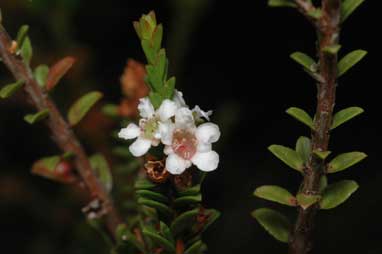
<point x="187" y="144"/>
<point x="178" y="99"/>
<point x="199" y="114"/>
<point x="147" y="133"/>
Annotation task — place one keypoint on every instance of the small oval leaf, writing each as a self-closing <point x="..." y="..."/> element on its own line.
<point x="348" y="7"/>
<point x="288" y="156"/>
<point x="350" y="60"/>
<point x="301" y="116"/>
<point x="57" y="71"/>
<point x="164" y="209"/>
<point x="34" y="118"/>
<point x="305" y="201"/>
<point x="281" y="3"/>
<point x="79" y="109"/>
<point x="41" y="74"/>
<point x="274" y="223"/>
<point x="337" y="193"/>
<point x="159" y="240"/>
<point x="276" y="194"/>
<point x="21" y="35"/>
<point x="306" y="61"/>
<point x="184" y="221"/>
<point x="344" y="161"/>
<point x="102" y="170"/>
<point x="303" y="148"/>
<point x="26" y="50"/>
<point x="196" y="248"/>
<point x="152" y="195"/>
<point x="345" y="115"/>
<point x="188" y="200"/>
<point x="8" y="90"/>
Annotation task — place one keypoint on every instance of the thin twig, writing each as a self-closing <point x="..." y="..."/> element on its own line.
<point x="60" y="131"/>
<point x="328" y="28"/>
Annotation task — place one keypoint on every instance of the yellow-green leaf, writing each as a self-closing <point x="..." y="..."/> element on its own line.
<point x="306" y="61"/>
<point x="337" y="193"/>
<point x="274" y="223"/>
<point x="350" y="60"/>
<point x="276" y="194"/>
<point x="41" y="74"/>
<point x="305" y="201"/>
<point x="102" y="170"/>
<point x="21" y="35"/>
<point x="288" y="156"/>
<point x="34" y="118"/>
<point x="79" y="109"/>
<point x="10" y="89"/>
<point x="301" y="116"/>
<point x="344" y="161"/>
<point x="303" y="148"/>
<point x="26" y="50"/>
<point x="348" y="7"/>
<point x="345" y="115"/>
<point x="281" y="3"/>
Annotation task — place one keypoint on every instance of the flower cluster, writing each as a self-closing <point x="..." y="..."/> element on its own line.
<point x="186" y="134"/>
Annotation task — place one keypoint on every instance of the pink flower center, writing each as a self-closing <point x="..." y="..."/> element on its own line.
<point x="184" y="144"/>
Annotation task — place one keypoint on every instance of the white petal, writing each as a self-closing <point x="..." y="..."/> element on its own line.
<point x="140" y="146"/>
<point x="168" y="150"/>
<point x="146" y="109"/>
<point x="178" y="99"/>
<point x="175" y="164"/>
<point x="207" y="162"/>
<point x="202" y="114"/>
<point x="166" y="130"/>
<point x="184" y="118"/>
<point x="130" y="132"/>
<point x="204" y="147"/>
<point x="166" y="110"/>
<point x="208" y="133"/>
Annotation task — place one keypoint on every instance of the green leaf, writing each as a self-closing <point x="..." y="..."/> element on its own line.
<point x="212" y="216"/>
<point x="166" y="232"/>
<point x="184" y="221"/>
<point x="301" y="116"/>
<point x="156" y="205"/>
<point x="315" y="13"/>
<point x="196" y="248"/>
<point x="350" y="60"/>
<point x="323" y="183"/>
<point x="149" y="51"/>
<point x="159" y="240"/>
<point x="188" y="200"/>
<point x="144" y="184"/>
<point x="274" y="223"/>
<point x="49" y="163"/>
<point x="288" y="156"/>
<point x="348" y="7"/>
<point x="41" y="73"/>
<point x="344" y="161"/>
<point x="157" y="37"/>
<point x="281" y="3"/>
<point x="305" y="201"/>
<point x="345" y="115"/>
<point x="82" y="106"/>
<point x="276" y="194"/>
<point x="21" y="35"/>
<point x="26" y="50"/>
<point x="322" y="154"/>
<point x="8" y="90"/>
<point x="34" y="118"/>
<point x="152" y="195"/>
<point x="333" y="49"/>
<point x="306" y="61"/>
<point x="337" y="193"/>
<point x="102" y="170"/>
<point x="194" y="190"/>
<point x="156" y="99"/>
<point x="303" y="148"/>
<point x="169" y="87"/>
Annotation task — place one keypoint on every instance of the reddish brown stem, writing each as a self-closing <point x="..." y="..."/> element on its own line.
<point x="328" y="28"/>
<point x="60" y="130"/>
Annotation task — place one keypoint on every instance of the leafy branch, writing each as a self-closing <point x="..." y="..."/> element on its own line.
<point x="309" y="156"/>
<point x="16" y="55"/>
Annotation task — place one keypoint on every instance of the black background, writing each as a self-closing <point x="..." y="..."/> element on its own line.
<point x="236" y="62"/>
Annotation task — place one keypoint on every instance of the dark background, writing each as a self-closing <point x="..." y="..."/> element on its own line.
<point x="230" y="56"/>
